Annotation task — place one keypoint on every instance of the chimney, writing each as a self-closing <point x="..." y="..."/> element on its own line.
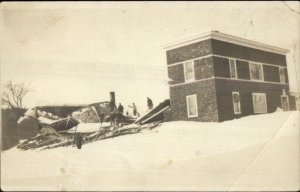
<point x="112" y="97"/>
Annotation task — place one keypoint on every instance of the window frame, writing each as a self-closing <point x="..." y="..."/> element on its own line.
<point x="187" y="105"/>
<point x="184" y="71"/>
<point x="297" y="101"/>
<point x="287" y="100"/>
<point x="235" y="70"/>
<point x="266" y="106"/>
<point x="262" y="71"/>
<point x="240" y="112"/>
<point x="281" y="68"/>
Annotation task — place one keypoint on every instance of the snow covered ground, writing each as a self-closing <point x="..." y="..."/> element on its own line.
<point x="253" y="153"/>
<point x="88" y="127"/>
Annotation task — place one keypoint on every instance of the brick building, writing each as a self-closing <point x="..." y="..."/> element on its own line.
<point x="218" y="77"/>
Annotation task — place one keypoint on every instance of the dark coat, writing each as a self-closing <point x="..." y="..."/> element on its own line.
<point x="112" y="106"/>
<point x="101" y="117"/>
<point x="120" y="109"/>
<point x="78" y="140"/>
<point x="149" y="102"/>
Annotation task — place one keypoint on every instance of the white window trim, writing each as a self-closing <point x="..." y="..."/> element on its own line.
<point x="249" y="61"/>
<point x="187" y="106"/>
<point x="246" y="80"/>
<point x="281" y="68"/>
<point x="287" y="99"/>
<point x="184" y="71"/>
<point x="235" y="70"/>
<point x="237" y="113"/>
<point x="266" y="108"/>
<point x="262" y="70"/>
<point x="225" y="78"/>
<point x="297" y="103"/>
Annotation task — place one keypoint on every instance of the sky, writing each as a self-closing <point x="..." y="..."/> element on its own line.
<point x="77" y="52"/>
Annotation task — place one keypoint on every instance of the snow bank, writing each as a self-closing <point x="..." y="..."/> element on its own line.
<point x="259" y="152"/>
<point x="88" y="127"/>
<point x="46" y="120"/>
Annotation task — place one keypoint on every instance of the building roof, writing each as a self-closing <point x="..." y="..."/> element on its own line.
<point x="227" y="38"/>
<point x="69" y="105"/>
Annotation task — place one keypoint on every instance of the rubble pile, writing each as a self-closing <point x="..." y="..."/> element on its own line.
<point x="49" y="138"/>
<point x="87" y="115"/>
<point x="55" y="131"/>
<point x="46" y="137"/>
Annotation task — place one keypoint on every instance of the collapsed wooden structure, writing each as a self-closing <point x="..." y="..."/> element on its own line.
<point x="54" y="132"/>
<point x="49" y="138"/>
<point x="156" y="114"/>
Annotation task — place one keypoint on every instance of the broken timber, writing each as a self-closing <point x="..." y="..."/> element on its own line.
<point x="153" y="115"/>
<point x="63" y="124"/>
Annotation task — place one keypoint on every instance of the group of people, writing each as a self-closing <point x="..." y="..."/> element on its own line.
<point x="116" y="114"/>
<point x="134" y="109"/>
<point x="116" y="118"/>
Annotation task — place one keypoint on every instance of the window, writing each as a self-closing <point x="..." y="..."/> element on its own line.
<point x="259" y="102"/>
<point x="281" y="75"/>
<point x="232" y="65"/>
<point x="285" y="102"/>
<point x="192" y="109"/>
<point x="256" y="72"/>
<point x="236" y="102"/>
<point x="297" y="102"/>
<point x="189" y="71"/>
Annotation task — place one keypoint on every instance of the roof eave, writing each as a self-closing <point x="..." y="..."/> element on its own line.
<point x="226" y="38"/>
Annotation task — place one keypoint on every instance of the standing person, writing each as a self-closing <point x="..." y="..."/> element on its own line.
<point x="113" y="112"/>
<point x="112" y="106"/>
<point x="149" y="103"/>
<point x="101" y="118"/>
<point x="78" y="140"/>
<point x="134" y="109"/>
<point x="113" y="118"/>
<point x="120" y="108"/>
<point x="120" y="113"/>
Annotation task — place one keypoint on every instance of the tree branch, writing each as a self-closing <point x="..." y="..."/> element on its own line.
<point x="6" y="101"/>
<point x="14" y="94"/>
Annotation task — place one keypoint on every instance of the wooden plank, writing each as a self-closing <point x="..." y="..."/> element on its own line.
<point x="165" y="103"/>
<point x="151" y="117"/>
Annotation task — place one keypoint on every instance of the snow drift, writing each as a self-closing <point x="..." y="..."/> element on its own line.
<point x="259" y="152"/>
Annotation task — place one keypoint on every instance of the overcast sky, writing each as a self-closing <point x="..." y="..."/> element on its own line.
<point x="77" y="52"/>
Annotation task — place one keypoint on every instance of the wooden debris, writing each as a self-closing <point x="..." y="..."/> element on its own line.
<point x="156" y="114"/>
<point x="49" y="138"/>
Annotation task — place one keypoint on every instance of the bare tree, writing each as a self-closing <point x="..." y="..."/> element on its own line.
<point x="14" y="93"/>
